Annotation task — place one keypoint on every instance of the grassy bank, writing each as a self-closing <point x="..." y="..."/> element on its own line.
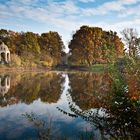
<point x="101" y="67"/>
<point x="40" y="67"/>
<point x="8" y="67"/>
<point x="92" y="68"/>
<point x="25" y="64"/>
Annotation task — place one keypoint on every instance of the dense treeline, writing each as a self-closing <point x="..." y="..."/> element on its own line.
<point x="34" y="48"/>
<point x="90" y="45"/>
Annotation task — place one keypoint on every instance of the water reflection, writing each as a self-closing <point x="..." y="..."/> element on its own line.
<point x="30" y="87"/>
<point x="113" y="109"/>
<point x="90" y="90"/>
<point x="4" y="84"/>
<point x="82" y="105"/>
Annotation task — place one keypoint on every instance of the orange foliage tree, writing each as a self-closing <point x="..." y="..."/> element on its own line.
<point x="91" y="45"/>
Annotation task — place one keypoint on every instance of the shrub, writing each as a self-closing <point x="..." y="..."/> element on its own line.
<point x="15" y="60"/>
<point x="46" y="63"/>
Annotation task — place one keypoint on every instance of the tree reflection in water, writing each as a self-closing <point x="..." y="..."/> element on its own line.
<point x="26" y="88"/>
<point x="117" y="117"/>
<point x="111" y="105"/>
<point x="44" y="128"/>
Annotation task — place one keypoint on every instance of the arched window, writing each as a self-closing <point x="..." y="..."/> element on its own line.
<point x="3" y="57"/>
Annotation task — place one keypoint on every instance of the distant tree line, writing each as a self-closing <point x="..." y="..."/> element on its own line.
<point x="89" y="45"/>
<point x="45" y="47"/>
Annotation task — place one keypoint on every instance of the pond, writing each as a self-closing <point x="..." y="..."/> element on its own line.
<point x="68" y="105"/>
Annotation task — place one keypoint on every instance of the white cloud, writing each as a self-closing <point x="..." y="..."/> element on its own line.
<point x="130" y="11"/>
<point x="117" y="6"/>
<point x="59" y="14"/>
<point x="67" y="16"/>
<point x="26" y="2"/>
<point x="86" y="1"/>
<point x="119" y="26"/>
<point x="63" y="14"/>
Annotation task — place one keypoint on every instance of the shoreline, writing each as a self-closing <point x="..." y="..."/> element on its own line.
<point x="14" y="69"/>
<point x="93" y="68"/>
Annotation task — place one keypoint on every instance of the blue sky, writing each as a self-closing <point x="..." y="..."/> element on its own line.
<point x="66" y="16"/>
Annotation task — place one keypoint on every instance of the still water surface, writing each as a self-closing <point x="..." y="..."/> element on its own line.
<point x="58" y="105"/>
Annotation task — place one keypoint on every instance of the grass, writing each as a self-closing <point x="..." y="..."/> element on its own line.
<point x="101" y="67"/>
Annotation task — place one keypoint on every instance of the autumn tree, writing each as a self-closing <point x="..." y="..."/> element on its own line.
<point x="46" y="48"/>
<point x="52" y="44"/>
<point x="28" y="43"/>
<point x="91" y="45"/>
<point x="9" y="38"/>
<point x="84" y="45"/>
<point x="130" y="36"/>
<point x="112" y="46"/>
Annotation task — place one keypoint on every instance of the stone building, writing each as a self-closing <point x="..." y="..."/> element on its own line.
<point x="4" y="54"/>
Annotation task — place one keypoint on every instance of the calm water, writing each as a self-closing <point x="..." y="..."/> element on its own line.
<point x="57" y="105"/>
